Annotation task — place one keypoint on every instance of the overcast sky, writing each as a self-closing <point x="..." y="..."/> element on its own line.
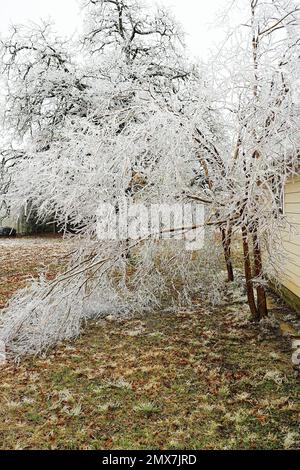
<point x="196" y="16"/>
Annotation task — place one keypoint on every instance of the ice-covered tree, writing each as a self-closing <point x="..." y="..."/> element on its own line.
<point x="256" y="73"/>
<point x="121" y="116"/>
<point x="114" y="122"/>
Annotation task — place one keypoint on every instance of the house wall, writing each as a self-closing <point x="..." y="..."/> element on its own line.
<point x="27" y="227"/>
<point x="291" y="275"/>
<point x="18" y="223"/>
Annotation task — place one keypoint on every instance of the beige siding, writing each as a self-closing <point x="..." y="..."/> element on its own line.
<point x="291" y="276"/>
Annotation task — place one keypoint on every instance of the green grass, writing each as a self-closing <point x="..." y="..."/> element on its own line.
<point x="197" y="388"/>
<point x="199" y="379"/>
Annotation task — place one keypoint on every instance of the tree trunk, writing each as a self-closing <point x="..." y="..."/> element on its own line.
<point x="261" y="292"/>
<point x="226" y="242"/>
<point x="248" y="276"/>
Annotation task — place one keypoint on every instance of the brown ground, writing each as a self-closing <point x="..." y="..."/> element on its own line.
<point x="22" y="258"/>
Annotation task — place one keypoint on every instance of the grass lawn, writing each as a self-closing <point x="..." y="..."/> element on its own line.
<point x="203" y="378"/>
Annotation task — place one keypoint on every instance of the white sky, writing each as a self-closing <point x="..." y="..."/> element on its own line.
<point x="196" y="16"/>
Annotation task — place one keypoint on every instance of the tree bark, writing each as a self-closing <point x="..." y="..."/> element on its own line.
<point x="226" y="242"/>
<point x="260" y="290"/>
<point x="248" y="276"/>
